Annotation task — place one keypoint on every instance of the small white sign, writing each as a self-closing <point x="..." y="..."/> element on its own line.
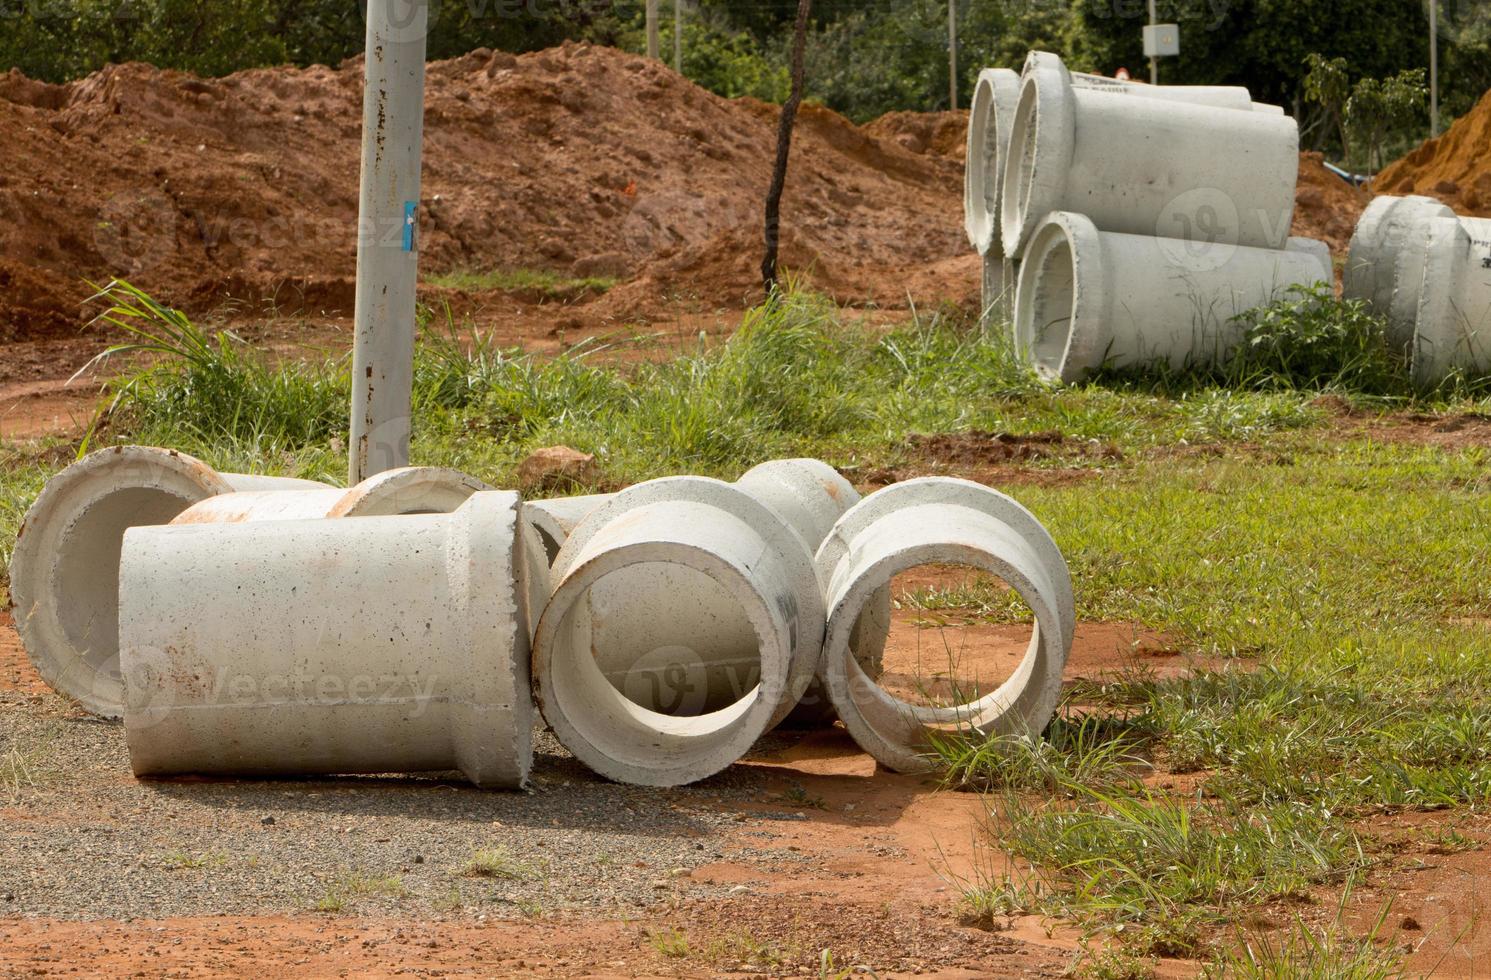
<point x="1162" y="41"/>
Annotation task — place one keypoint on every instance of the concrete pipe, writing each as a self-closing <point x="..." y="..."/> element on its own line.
<point x="1217" y="96"/>
<point x="1452" y="326"/>
<point x="943" y="521"/>
<point x="1389" y="227"/>
<point x="277" y="648"/>
<point x="989" y="118"/>
<point x="409" y="490"/>
<point x="1146" y="166"/>
<point x="808" y="496"/>
<point x="64" y="578"/>
<point x="1090" y="299"/>
<point x="557" y="518"/>
<point x="665" y="578"/>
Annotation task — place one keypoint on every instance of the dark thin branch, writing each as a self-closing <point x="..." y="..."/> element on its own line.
<point x="784" y="151"/>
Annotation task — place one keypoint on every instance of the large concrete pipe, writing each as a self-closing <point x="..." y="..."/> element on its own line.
<point x="669" y="573"/>
<point x="1216" y="96"/>
<point x="64" y="577"/>
<point x="808" y="496"/>
<point x="557" y="518"/>
<point x="942" y="521"/>
<point x="277" y="648"/>
<point x="1090" y="299"/>
<point x="1389" y="239"/>
<point x="1452" y="329"/>
<point x="408" y="490"/>
<point x="994" y="99"/>
<point x="1146" y="166"/>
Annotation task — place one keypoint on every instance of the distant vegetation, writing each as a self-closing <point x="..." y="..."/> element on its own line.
<point x="865" y="57"/>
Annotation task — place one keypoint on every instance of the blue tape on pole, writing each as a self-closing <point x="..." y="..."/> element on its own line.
<point x="411" y="214"/>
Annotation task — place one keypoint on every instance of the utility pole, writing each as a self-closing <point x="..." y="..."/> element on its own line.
<point x="952" y="54"/>
<point x="393" y="105"/>
<point x="678" y="36"/>
<point x="1433" y="68"/>
<point x="653" y="47"/>
<point x="1154" y="62"/>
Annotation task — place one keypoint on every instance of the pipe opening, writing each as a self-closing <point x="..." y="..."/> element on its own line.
<point x="958" y="633"/>
<point x="85" y="580"/>
<point x="682" y="657"/>
<point x="610" y="725"/>
<point x="1046" y="326"/>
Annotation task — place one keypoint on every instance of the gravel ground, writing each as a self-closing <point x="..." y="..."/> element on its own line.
<point x="81" y="838"/>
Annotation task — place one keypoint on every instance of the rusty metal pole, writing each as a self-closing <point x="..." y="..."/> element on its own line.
<point x="388" y="237"/>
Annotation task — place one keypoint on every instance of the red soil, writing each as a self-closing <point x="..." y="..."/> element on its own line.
<point x="1455" y="167"/>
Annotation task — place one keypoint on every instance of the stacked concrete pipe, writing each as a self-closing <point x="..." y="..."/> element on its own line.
<point x="991" y="117"/>
<point x="64" y="577"/>
<point x="381" y="644"/>
<point x="1146" y="166"/>
<point x="942" y="521"/>
<point x="1090" y="299"/>
<point x="710" y="562"/>
<point x="1427" y="272"/>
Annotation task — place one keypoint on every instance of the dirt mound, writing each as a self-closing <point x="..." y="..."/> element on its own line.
<point x="1454" y="167"/>
<point x="1325" y="206"/>
<point x="577" y="160"/>
<point x="941" y="133"/>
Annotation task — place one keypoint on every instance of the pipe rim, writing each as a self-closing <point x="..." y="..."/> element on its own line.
<point x="910" y="531"/>
<point x="994" y="97"/>
<point x="496" y="603"/>
<point x="781" y="540"/>
<point x="42" y="584"/>
<point x="1070" y="242"/>
<point x="1440" y="336"/>
<point x="409" y="490"/>
<point x="1041" y="142"/>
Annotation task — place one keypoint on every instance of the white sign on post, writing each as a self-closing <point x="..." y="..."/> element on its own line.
<point x="1162" y="40"/>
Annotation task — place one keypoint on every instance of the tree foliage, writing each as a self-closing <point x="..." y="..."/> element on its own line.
<point x="864" y="57"/>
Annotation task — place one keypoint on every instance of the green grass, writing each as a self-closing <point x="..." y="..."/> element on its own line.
<point x="496" y="863"/>
<point x="550" y="284"/>
<point x="349" y="888"/>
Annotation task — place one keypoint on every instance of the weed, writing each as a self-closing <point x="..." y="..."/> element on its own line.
<point x="348" y="888"/>
<point x="496" y="863"/>
<point x="549" y="284"/>
<point x="186" y="861"/>
<point x="796" y="797"/>
<point x="1112" y="963"/>
<point x="1305" y="952"/>
<point x="670" y="942"/>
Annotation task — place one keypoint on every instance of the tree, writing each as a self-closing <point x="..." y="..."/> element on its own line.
<point x="784" y="151"/>
<point x="1328" y="86"/>
<point x="1379" y="108"/>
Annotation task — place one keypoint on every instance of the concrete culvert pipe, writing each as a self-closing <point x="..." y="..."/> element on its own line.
<point x="1146" y="166"/>
<point x="1234" y="97"/>
<point x="64" y="578"/>
<point x="1452" y="326"/>
<point x="657" y="584"/>
<point x="408" y="490"/>
<point x="937" y="522"/>
<point x="557" y="518"/>
<point x="1090" y="299"/>
<point x="989" y="118"/>
<point x="1389" y="229"/>
<point x="808" y="496"/>
<point x="278" y="648"/>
